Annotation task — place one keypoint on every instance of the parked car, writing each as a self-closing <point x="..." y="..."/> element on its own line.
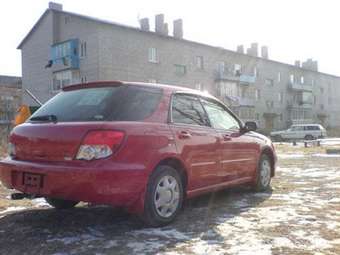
<point x="300" y="132"/>
<point x="142" y="146"/>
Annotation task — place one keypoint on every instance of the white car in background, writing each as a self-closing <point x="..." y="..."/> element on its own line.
<point x="300" y="132"/>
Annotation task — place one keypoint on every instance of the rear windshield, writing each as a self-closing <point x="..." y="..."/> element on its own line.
<point x="118" y="103"/>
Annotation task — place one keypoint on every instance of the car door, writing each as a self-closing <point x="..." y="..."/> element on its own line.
<point x="293" y="133"/>
<point x="196" y="141"/>
<point x="238" y="150"/>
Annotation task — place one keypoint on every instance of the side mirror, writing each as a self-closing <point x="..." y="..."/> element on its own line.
<point x="250" y="126"/>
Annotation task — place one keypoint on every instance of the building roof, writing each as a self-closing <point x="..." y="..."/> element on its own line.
<point x="10" y="81"/>
<point x="102" y="21"/>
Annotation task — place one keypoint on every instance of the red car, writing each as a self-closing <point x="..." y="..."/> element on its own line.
<point x="140" y="146"/>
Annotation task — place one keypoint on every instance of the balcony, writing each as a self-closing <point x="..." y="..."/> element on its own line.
<point x="247" y="79"/>
<point x="64" y="56"/>
<point x="299" y="105"/>
<point x="244" y="79"/>
<point x="240" y="101"/>
<point x="300" y="87"/>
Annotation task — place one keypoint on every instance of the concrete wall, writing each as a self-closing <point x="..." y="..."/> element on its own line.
<point x="35" y="55"/>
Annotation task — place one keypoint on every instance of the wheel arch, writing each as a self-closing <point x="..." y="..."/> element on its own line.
<point x="179" y="166"/>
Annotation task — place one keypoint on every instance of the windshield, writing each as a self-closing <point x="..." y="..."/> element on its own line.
<point x="118" y="103"/>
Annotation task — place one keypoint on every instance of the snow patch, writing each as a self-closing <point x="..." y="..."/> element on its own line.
<point x="291" y="156"/>
<point x="40" y="202"/>
<point x="13" y="209"/>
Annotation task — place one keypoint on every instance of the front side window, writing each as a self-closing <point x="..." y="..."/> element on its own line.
<point x="188" y="110"/>
<point x="219" y="117"/>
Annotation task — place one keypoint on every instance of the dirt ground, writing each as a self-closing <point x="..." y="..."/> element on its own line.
<point x="300" y="215"/>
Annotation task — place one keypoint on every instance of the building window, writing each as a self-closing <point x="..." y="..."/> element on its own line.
<point x="199" y="62"/>
<point x="257" y="116"/>
<point x="83" y="50"/>
<point x="83" y="79"/>
<point x="255" y="71"/>
<point x="270" y="103"/>
<point x="64" y="78"/>
<point x="257" y="94"/>
<point x="153" y="57"/>
<point x="313" y="82"/>
<point x="281" y="117"/>
<point x="237" y="69"/>
<point x="329" y="100"/>
<point x="321" y="90"/>
<point x="180" y="69"/>
<point x="302" y="80"/>
<point x="269" y="82"/>
<point x="221" y="67"/>
<point x="199" y="86"/>
<point x="280" y="97"/>
<point x="279" y="77"/>
<point x="291" y="78"/>
<point x="152" y="80"/>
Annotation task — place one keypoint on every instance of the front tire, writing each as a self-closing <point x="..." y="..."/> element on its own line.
<point x="163" y="198"/>
<point x="58" y="203"/>
<point x="263" y="174"/>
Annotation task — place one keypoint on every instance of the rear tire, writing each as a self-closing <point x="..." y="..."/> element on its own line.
<point x="278" y="138"/>
<point x="58" y="203"/>
<point x="309" y="137"/>
<point x="263" y="174"/>
<point x="163" y="198"/>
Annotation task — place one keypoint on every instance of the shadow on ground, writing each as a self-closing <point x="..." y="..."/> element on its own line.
<point x="89" y="230"/>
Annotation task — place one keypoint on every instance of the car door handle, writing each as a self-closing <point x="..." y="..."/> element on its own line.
<point x="184" y="135"/>
<point x="226" y="137"/>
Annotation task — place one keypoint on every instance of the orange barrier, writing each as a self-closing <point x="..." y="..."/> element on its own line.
<point x="23" y="113"/>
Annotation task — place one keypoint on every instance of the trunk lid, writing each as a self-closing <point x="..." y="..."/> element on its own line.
<point x="49" y="141"/>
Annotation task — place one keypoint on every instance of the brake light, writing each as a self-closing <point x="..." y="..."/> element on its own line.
<point x="100" y="144"/>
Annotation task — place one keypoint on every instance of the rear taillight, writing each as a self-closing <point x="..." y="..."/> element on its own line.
<point x="100" y="144"/>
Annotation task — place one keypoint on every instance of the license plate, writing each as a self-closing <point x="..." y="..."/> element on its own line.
<point x="33" y="180"/>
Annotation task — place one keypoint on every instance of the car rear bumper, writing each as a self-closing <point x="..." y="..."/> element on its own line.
<point x="117" y="186"/>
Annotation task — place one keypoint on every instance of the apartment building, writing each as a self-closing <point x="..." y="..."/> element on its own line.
<point x="65" y="48"/>
<point x="10" y="99"/>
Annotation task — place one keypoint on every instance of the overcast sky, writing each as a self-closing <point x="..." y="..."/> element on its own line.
<point x="292" y="29"/>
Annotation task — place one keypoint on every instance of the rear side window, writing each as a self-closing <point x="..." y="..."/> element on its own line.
<point x="311" y="128"/>
<point x="117" y="103"/>
<point x="188" y="110"/>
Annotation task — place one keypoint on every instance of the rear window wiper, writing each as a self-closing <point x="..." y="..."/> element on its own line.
<point x="48" y="118"/>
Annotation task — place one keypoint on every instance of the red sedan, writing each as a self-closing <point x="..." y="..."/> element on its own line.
<point x="140" y="146"/>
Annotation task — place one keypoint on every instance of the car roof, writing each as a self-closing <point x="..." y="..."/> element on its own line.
<point x="166" y="87"/>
